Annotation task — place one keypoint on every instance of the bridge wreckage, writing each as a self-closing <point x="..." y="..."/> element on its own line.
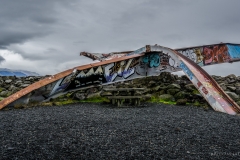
<point x="149" y="60"/>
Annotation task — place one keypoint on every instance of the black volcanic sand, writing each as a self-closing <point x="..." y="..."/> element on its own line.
<point x="101" y="131"/>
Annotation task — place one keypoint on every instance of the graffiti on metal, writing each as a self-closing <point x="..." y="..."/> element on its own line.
<point x="146" y="61"/>
<point x="212" y="54"/>
<point x="186" y="70"/>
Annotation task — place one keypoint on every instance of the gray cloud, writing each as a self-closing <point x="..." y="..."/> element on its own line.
<point x="1" y="59"/>
<point x="24" y="20"/>
<point x="51" y="32"/>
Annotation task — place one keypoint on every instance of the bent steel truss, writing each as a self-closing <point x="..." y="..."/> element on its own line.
<point x="146" y="61"/>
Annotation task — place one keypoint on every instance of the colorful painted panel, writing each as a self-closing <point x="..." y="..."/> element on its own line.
<point x="212" y="54"/>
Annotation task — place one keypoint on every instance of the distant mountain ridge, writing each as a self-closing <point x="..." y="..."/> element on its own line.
<point x="17" y="73"/>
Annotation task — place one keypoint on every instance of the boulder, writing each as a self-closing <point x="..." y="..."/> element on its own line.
<point x="161" y="92"/>
<point x="2" y="89"/>
<point x="5" y="93"/>
<point x="11" y="88"/>
<point x="96" y="94"/>
<point x="106" y="93"/>
<point x="155" y="89"/>
<point x="181" y="102"/>
<point x="147" y="90"/>
<point x="18" y="83"/>
<point x="151" y="83"/>
<point x="166" y="97"/>
<point x="172" y="91"/>
<point x="184" y="77"/>
<point x="8" y="81"/>
<point x="78" y="96"/>
<point x="223" y="86"/>
<point x="27" y="82"/>
<point x="231" y="88"/>
<point x="6" y="86"/>
<point x="30" y="79"/>
<point x="180" y="95"/>
<point x="237" y="85"/>
<point x="237" y="91"/>
<point x="230" y="81"/>
<point x="190" y="87"/>
<point x="24" y="85"/>
<point x="174" y="86"/>
<point x="233" y="95"/>
<point x="231" y="76"/>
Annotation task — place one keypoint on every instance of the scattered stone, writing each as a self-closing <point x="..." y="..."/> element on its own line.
<point x="166" y="97"/>
<point x="8" y="81"/>
<point x="231" y="88"/>
<point x="18" y="83"/>
<point x="5" y="93"/>
<point x="79" y="96"/>
<point x="155" y="89"/>
<point x="165" y="83"/>
<point x="237" y="85"/>
<point x="233" y="95"/>
<point x="190" y="87"/>
<point x="174" y="86"/>
<point x="180" y="95"/>
<point x="27" y="82"/>
<point x="181" y="102"/>
<point x="24" y="85"/>
<point x="237" y="91"/>
<point x="172" y="91"/>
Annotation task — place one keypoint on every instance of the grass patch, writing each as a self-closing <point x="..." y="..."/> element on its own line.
<point x="155" y="99"/>
<point x="96" y="99"/>
<point x="64" y="101"/>
<point x="196" y="103"/>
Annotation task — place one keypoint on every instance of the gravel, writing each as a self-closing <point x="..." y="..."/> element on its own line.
<point x="101" y="131"/>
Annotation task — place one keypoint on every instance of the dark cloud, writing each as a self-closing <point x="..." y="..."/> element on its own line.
<point x="2" y="59"/>
<point x="8" y="38"/>
<point x="51" y="32"/>
<point x="23" y="20"/>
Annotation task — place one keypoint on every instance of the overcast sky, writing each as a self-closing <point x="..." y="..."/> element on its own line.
<point x="46" y="36"/>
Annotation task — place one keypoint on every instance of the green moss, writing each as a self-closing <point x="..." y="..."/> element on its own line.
<point x="155" y="99"/>
<point x="196" y="103"/>
<point x="1" y="89"/>
<point x="96" y="99"/>
<point x="195" y="91"/>
<point x="9" y="94"/>
<point x="1" y="98"/>
<point x="64" y="102"/>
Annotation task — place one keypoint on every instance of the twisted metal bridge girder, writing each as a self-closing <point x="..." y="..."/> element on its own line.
<point x="146" y="61"/>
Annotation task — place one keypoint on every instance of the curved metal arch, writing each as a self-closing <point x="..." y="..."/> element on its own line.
<point x="146" y="61"/>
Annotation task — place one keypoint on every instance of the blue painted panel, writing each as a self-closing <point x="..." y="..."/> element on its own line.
<point x="234" y="51"/>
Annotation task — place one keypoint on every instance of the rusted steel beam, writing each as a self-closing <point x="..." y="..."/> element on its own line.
<point x="146" y="61"/>
<point x="221" y="95"/>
